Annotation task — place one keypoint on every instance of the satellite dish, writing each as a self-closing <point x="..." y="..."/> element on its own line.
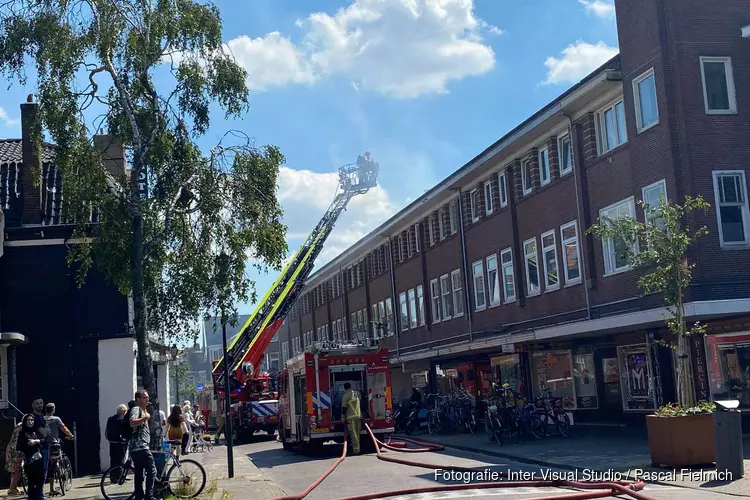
<point x="248" y="368"/>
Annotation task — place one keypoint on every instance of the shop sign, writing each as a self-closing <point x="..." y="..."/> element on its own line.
<point x="549" y="360"/>
<point x="700" y="378"/>
<point x="636" y="377"/>
<point x="658" y="387"/>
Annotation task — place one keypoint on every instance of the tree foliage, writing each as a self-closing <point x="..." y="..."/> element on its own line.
<point x="185" y="390"/>
<point x="659" y="247"/>
<point x="153" y="71"/>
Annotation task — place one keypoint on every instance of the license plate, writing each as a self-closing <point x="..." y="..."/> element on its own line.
<point x="320" y="430"/>
<point x="272" y="419"/>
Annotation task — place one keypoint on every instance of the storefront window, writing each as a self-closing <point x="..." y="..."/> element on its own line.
<point x="507" y="370"/>
<point x="636" y="378"/>
<point x="553" y="370"/>
<point x="729" y="367"/>
<point x="584" y="376"/>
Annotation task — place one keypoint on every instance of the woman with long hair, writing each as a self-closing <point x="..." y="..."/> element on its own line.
<point x="30" y="444"/>
<point x="177" y="427"/>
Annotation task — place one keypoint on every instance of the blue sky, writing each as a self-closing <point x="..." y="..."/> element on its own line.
<point x="424" y="85"/>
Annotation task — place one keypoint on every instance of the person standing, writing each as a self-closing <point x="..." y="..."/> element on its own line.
<point x="14" y="460"/>
<point x="187" y="413"/>
<point x="31" y="444"/>
<point x="113" y="433"/>
<point x="55" y="425"/>
<point x="43" y="431"/>
<point x="350" y="404"/>
<point x="138" y="447"/>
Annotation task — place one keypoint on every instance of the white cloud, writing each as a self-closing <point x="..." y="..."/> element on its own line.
<point x="399" y="48"/>
<point x="306" y="195"/>
<point x="577" y="61"/>
<point x="6" y="119"/>
<point x="599" y="8"/>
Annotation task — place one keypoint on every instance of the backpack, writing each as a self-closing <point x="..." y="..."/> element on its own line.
<point x="127" y="430"/>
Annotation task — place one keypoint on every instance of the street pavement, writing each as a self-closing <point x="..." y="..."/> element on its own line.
<point x="365" y="474"/>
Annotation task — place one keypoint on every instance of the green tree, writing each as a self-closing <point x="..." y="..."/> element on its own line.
<point x="154" y="68"/>
<point x="185" y="390"/>
<point x="660" y="248"/>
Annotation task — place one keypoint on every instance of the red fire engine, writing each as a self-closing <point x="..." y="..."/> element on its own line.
<point x="312" y="384"/>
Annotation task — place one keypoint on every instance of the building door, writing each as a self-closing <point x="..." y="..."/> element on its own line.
<point x="608" y="371"/>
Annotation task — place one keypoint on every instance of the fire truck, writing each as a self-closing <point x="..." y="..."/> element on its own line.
<point x="311" y="388"/>
<point x="253" y="405"/>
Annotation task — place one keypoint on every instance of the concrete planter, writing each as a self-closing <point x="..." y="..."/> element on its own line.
<point x="681" y="441"/>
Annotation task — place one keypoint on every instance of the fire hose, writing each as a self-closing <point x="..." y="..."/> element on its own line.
<point x="594" y="489"/>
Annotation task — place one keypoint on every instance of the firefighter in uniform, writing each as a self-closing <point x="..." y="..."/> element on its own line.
<point x="350" y="405"/>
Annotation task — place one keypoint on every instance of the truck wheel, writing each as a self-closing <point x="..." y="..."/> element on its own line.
<point x="283" y="435"/>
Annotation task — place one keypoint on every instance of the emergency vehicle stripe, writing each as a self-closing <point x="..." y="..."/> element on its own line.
<point x="309" y="402"/>
<point x="388" y="398"/>
<point x="261" y="410"/>
<point x="323" y="402"/>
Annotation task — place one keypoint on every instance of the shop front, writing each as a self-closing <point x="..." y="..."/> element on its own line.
<point x="729" y="366"/>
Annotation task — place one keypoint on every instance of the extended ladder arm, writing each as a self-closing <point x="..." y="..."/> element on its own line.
<point x="255" y="335"/>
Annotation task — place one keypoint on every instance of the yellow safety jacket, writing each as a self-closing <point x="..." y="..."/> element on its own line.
<point x="351" y="403"/>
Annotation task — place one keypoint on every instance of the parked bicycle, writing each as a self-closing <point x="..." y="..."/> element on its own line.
<point x="60" y="470"/>
<point x="116" y="485"/>
<point x="552" y="414"/>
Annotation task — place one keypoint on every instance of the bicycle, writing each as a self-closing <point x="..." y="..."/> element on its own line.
<point x="550" y="412"/>
<point x="185" y="487"/>
<point x="59" y="470"/>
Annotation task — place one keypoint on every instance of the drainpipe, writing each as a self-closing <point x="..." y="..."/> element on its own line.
<point x="465" y="264"/>
<point x="581" y="230"/>
<point x="396" y="320"/>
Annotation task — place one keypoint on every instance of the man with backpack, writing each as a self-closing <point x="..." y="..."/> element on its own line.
<point x="138" y="435"/>
<point x="350" y="406"/>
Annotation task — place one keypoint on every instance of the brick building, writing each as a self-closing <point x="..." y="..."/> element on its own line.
<point x="490" y="275"/>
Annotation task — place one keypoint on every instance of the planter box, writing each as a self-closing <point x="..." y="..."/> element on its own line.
<point x="681" y="441"/>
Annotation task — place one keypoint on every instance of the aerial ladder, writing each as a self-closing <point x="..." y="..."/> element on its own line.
<point x="246" y="351"/>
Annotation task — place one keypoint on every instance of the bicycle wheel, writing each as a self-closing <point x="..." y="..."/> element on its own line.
<point x="184" y="485"/>
<point x="472" y="424"/>
<point x="563" y="424"/>
<point x="60" y="479"/>
<point x="489" y="427"/>
<point x="536" y="426"/>
<point x="67" y="469"/>
<point x="499" y="431"/>
<point x="115" y="484"/>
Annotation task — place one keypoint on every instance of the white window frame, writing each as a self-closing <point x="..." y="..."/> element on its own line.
<point x="446" y="293"/>
<point x="409" y="252"/>
<point x="601" y="127"/>
<point x="525" y="162"/>
<point x="375" y="320"/>
<point x="474" y="203"/>
<point x="529" y="291"/>
<point x="436" y="312"/>
<point x="544" y="167"/>
<point x="662" y="184"/>
<point x="389" y="314"/>
<point x="488" y="207"/>
<point x="637" y="100"/>
<point x="416" y="237"/>
<point x="560" y="150"/>
<point x="431" y="228"/>
<point x="502" y="190"/>
<point x="441" y="220"/>
<point x="420" y="305"/>
<point x="745" y="209"/>
<point x="565" y="241"/>
<point x="457" y="286"/>
<point x="403" y="306"/>
<point x="731" y="90"/>
<point x="453" y="216"/>
<point x="503" y="265"/>
<point x="479" y="288"/>
<point x="212" y="350"/>
<point x="411" y="298"/>
<point x="547" y="286"/>
<point x="488" y="259"/>
<point x="608" y="248"/>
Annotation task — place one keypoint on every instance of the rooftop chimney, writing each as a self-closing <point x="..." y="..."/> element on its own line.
<point x="31" y="173"/>
<point x="112" y="153"/>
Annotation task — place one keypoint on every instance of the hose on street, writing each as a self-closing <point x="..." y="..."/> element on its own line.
<point x="592" y="489"/>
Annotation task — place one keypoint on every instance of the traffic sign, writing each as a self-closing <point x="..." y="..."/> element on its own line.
<point x="200" y="387"/>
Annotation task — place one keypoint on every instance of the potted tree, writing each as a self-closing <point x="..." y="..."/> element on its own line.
<point x="679" y="434"/>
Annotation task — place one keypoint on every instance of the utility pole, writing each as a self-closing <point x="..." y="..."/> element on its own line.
<point x="227" y="402"/>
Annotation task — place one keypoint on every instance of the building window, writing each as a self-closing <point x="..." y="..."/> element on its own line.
<point x="549" y="253"/>
<point x="453" y="208"/>
<point x="276" y="335"/>
<point x="474" y="197"/>
<point x="544" y="166"/>
<point x="509" y="281"/>
<point x="435" y="300"/>
<point x="389" y="315"/>
<point x="493" y="280"/>
<point x="646" y="106"/>
<point x="416" y="237"/>
<point x="413" y="321"/>
<point x="431" y="229"/>
<point x="404" y="311"/>
<point x="565" y="149"/>
<point x="488" y="197"/>
<point x="354" y="321"/>
<point x="375" y="321"/>
<point x="553" y="370"/>
<point x="409" y="244"/>
<point x="420" y="305"/>
<point x="569" y="240"/>
<point x="728" y="374"/>
<point x="651" y="197"/>
<point x="718" y="85"/>
<point x="445" y="288"/>
<point x="526" y="176"/>
<point x="478" y="274"/>
<point x="730" y="190"/>
<point x="284" y="352"/>
<point x="274" y="364"/>
<point x="532" y="267"/>
<point x="383" y="318"/>
<point x="615" y="249"/>
<point x="214" y="354"/>
<point x="441" y="218"/>
<point x="503" y="191"/>
<point x="458" y="298"/>
<point x="611" y="130"/>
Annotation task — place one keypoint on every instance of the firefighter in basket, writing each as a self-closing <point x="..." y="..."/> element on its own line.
<point x="350" y="405"/>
